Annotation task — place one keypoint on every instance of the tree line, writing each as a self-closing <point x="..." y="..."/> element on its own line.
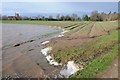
<point x="95" y="16"/>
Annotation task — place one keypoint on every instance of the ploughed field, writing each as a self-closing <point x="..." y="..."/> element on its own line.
<point x="91" y="45"/>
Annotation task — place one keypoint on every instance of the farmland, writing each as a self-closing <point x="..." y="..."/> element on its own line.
<point x="46" y="23"/>
<point x="93" y="45"/>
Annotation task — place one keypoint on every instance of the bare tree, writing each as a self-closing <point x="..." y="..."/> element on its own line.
<point x="43" y="18"/>
<point x="62" y="18"/>
<point x="58" y="17"/>
<point x="74" y="17"/>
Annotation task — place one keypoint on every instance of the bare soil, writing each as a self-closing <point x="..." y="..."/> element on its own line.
<point x="23" y="58"/>
<point x="76" y="39"/>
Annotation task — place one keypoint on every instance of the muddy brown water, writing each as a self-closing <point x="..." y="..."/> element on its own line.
<point x="21" y="45"/>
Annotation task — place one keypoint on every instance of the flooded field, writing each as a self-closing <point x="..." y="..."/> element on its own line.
<point x="21" y="45"/>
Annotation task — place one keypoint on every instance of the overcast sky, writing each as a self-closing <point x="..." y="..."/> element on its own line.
<point x="60" y="0"/>
<point x="48" y="8"/>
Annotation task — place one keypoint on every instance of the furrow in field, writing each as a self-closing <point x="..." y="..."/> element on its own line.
<point x="105" y="29"/>
<point x="91" y="29"/>
<point x="97" y="30"/>
<point x="75" y="28"/>
<point x="83" y="31"/>
<point x="69" y="26"/>
<point x="80" y="27"/>
<point x="108" y="26"/>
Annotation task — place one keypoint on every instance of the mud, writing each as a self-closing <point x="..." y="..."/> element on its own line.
<point x="21" y="56"/>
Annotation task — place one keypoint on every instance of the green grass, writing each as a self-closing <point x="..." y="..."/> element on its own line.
<point x="0" y="21"/>
<point x="108" y="43"/>
<point x="104" y="48"/>
<point x="85" y="52"/>
<point x="109" y="25"/>
<point x="47" y="23"/>
<point x="98" y="64"/>
<point x="86" y="29"/>
<point x="96" y="54"/>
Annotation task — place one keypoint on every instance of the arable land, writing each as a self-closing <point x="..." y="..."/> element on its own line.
<point x="92" y="45"/>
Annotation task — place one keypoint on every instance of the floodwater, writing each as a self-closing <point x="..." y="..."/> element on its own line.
<point x="21" y="46"/>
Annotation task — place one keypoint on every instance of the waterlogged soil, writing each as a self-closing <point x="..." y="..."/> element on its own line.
<point x="21" y="47"/>
<point x="21" y="52"/>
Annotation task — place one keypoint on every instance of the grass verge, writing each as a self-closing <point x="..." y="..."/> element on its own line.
<point x="98" y="64"/>
<point x="96" y="54"/>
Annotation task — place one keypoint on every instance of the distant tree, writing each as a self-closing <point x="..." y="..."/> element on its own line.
<point x="103" y="16"/>
<point x="96" y="16"/>
<point x="43" y="18"/>
<point x="74" y="17"/>
<point x="62" y="18"/>
<point x="85" y="18"/>
<point x="115" y="16"/>
<point x="50" y="18"/>
<point x="67" y="18"/>
<point x="58" y="17"/>
<point x="80" y="19"/>
<point x="38" y="17"/>
<point x="110" y="16"/>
